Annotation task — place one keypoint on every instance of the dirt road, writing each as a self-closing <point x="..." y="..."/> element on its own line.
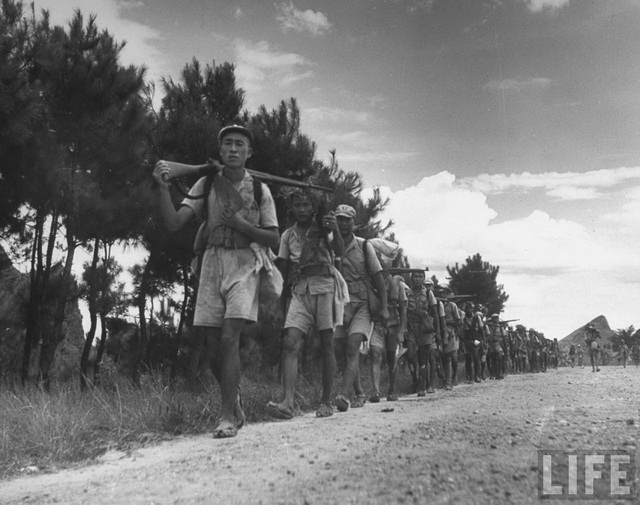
<point x="475" y="444"/>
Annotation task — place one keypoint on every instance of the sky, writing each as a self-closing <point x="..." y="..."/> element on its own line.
<point x="508" y="128"/>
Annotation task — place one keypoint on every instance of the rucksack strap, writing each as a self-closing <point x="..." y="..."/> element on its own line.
<point x="208" y="184"/>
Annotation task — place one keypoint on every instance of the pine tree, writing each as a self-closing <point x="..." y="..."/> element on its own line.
<point x="479" y="279"/>
<point x="84" y="152"/>
<point x="20" y="112"/>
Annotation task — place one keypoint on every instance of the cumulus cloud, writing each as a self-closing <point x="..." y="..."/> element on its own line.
<point x="545" y="5"/>
<point x="624" y="217"/>
<point x="533" y="84"/>
<point x="296" y="20"/>
<point x="543" y="257"/>
<point x="257" y="63"/>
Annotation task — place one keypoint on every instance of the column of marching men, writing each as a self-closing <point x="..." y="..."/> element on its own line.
<point x="395" y="315"/>
<point x="338" y="284"/>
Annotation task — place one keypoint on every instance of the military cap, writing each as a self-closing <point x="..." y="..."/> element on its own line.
<point x="345" y="211"/>
<point x="235" y="128"/>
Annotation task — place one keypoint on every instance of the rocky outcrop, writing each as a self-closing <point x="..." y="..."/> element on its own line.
<point x="14" y="296"/>
<point x="578" y="335"/>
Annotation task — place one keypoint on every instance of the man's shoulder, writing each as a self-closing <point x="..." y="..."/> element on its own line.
<point x="357" y="245"/>
<point x="359" y="242"/>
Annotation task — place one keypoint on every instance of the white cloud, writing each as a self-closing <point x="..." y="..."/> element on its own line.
<point x="140" y="38"/>
<point x="131" y="5"/>
<point x="257" y="64"/>
<point x="559" y="272"/>
<point x="295" y="77"/>
<point x="293" y="19"/>
<point x="238" y="13"/>
<point x="523" y="85"/>
<point x="354" y="137"/>
<point x="558" y="185"/>
<point x="417" y="5"/>
<point x="624" y="218"/>
<point x="545" y="5"/>
<point x="336" y="115"/>
<point x="388" y="158"/>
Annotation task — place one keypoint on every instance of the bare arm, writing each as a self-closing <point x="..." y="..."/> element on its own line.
<point x="444" y="335"/>
<point x="173" y="219"/>
<point x="337" y="244"/>
<point x="402" y="308"/>
<point x="436" y="323"/>
<point x="381" y="288"/>
<point x="269" y="237"/>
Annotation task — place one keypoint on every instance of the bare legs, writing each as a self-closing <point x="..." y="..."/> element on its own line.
<point x="223" y="348"/>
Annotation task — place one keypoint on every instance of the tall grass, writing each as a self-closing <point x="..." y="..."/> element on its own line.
<point x="50" y="430"/>
<point x="63" y="427"/>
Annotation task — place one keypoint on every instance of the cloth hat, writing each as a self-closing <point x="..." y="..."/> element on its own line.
<point x="428" y="282"/>
<point x="235" y="128"/>
<point x="345" y="211"/>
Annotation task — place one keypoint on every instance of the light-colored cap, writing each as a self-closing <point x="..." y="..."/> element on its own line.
<point x="235" y="128"/>
<point x="345" y="211"/>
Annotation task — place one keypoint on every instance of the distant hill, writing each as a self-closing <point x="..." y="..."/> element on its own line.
<point x="578" y="336"/>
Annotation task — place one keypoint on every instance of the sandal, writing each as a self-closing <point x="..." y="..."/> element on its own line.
<point x="325" y="410"/>
<point x="278" y="412"/>
<point x="359" y="401"/>
<point x="225" y="430"/>
<point x="342" y="403"/>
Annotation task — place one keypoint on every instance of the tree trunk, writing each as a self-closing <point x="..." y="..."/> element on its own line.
<point x="36" y="297"/>
<point x="143" y="349"/>
<point x="183" y="311"/>
<point x="50" y="341"/>
<point x="93" y="316"/>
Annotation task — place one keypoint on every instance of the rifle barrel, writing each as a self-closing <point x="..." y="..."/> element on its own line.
<point x="406" y="270"/>
<point x="213" y="167"/>
<point x="286" y="181"/>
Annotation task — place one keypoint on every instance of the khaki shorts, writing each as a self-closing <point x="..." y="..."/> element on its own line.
<point x="378" y="338"/>
<point x="380" y="334"/>
<point x="228" y="287"/>
<point x="356" y="320"/>
<point x="306" y="310"/>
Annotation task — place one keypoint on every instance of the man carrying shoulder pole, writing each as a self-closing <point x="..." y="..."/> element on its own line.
<point x="229" y="280"/>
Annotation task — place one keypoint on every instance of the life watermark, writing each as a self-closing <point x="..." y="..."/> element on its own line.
<point x="596" y="474"/>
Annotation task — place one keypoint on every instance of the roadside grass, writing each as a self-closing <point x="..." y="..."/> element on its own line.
<point x="47" y="431"/>
<point x="51" y="430"/>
